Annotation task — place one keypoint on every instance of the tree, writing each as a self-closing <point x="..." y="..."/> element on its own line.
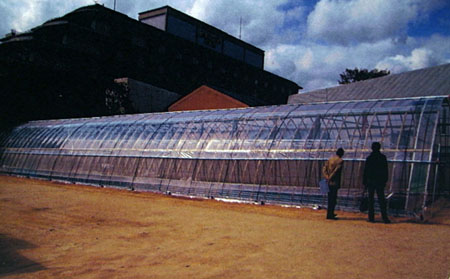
<point x="117" y="99"/>
<point x="355" y="75"/>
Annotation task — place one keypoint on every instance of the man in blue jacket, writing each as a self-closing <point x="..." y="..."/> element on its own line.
<point x="375" y="178"/>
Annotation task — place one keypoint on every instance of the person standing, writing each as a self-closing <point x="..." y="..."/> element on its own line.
<point x="332" y="171"/>
<point x="375" y="178"/>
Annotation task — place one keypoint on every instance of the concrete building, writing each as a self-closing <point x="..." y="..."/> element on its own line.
<point x="145" y="97"/>
<point x="66" y="63"/>
<point x="175" y="22"/>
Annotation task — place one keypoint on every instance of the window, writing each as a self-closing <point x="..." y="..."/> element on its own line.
<point x="233" y="50"/>
<point x="181" y="28"/>
<point x="253" y="58"/>
<point x="209" y="40"/>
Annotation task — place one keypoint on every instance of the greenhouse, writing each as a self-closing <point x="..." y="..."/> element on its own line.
<point x="270" y="154"/>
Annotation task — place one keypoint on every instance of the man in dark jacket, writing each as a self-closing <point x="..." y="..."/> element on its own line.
<point x="375" y="179"/>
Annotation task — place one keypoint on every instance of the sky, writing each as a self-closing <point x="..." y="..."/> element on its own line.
<point x="307" y="41"/>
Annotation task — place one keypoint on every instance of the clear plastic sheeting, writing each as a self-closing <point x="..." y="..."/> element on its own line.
<point x="272" y="154"/>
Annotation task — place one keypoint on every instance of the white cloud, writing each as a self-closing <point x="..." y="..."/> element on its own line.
<point x="439" y="45"/>
<point x="419" y="58"/>
<point x="306" y="61"/>
<point x="260" y="19"/>
<point x="22" y="15"/>
<point x="26" y="14"/>
<point x="318" y="83"/>
<point x="280" y="60"/>
<point x="346" y="22"/>
<point x="318" y="65"/>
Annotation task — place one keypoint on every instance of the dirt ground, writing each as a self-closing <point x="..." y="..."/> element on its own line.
<point x="52" y="230"/>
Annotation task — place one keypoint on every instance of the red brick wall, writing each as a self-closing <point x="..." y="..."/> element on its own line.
<point x="206" y="98"/>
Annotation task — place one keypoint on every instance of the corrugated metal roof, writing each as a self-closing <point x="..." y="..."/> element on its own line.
<point x="433" y="81"/>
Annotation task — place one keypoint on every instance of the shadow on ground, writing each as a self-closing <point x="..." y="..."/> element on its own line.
<point x="11" y="261"/>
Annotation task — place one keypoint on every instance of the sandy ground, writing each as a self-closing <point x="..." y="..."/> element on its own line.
<point x="51" y="230"/>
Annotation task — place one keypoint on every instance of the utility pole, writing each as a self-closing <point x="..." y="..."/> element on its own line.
<point x="114" y="5"/>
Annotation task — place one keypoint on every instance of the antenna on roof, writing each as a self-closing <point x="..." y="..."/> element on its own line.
<point x="114" y="5"/>
<point x="240" y="28"/>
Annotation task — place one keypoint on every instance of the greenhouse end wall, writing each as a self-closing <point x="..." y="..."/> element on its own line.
<point x="266" y="154"/>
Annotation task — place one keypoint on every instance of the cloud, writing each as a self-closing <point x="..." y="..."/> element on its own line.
<point x="22" y="15"/>
<point x="26" y="14"/>
<point x="438" y="44"/>
<point x="133" y="8"/>
<point x="261" y="20"/>
<point x="16" y="15"/>
<point x="280" y="60"/>
<point x="346" y="22"/>
<point x="317" y="65"/>
<point x="419" y="58"/>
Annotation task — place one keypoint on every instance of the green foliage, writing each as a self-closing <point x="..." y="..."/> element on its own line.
<point x="117" y="99"/>
<point x="355" y="75"/>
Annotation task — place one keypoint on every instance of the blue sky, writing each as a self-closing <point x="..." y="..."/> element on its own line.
<point x="438" y="21"/>
<point x="309" y="42"/>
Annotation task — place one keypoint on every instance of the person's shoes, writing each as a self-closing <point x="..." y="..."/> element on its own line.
<point x="332" y="218"/>
<point x="371" y="221"/>
<point x="387" y="221"/>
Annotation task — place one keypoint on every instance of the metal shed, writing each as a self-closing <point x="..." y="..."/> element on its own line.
<point x="270" y="154"/>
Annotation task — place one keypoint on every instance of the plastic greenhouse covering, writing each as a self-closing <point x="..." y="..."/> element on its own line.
<point x="268" y="154"/>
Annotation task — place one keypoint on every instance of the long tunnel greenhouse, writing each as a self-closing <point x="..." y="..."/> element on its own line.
<point x="270" y="154"/>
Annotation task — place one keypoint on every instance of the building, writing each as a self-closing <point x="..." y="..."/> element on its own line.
<point x="433" y="81"/>
<point x="206" y="97"/>
<point x="175" y="22"/>
<point x="145" y="97"/>
<point x="66" y="63"/>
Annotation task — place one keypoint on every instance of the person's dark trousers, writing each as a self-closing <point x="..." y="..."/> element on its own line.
<point x="332" y="197"/>
<point x="381" y="201"/>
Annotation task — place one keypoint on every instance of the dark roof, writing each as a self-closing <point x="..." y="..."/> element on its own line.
<point x="433" y="81"/>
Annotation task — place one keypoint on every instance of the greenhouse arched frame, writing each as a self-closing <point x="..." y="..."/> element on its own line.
<point x="271" y="154"/>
